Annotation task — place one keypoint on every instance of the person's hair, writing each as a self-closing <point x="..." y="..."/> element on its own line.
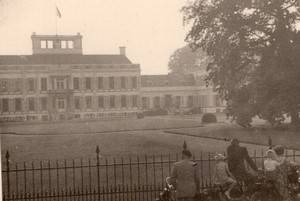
<point x="279" y="150"/>
<point x="235" y="141"/>
<point x="271" y="153"/>
<point x="187" y="153"/>
<point x="219" y="157"/>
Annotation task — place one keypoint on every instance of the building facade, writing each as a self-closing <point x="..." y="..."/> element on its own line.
<point x="174" y="92"/>
<point x="58" y="82"/>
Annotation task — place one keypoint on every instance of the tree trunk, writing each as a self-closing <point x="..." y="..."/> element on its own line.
<point x="295" y="120"/>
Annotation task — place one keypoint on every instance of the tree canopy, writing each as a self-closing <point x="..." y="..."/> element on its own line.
<point x="184" y="60"/>
<point x="255" y="49"/>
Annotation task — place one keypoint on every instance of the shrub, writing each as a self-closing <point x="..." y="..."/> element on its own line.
<point x="209" y="118"/>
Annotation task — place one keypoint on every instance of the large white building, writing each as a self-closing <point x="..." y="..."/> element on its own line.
<point x="58" y="82"/>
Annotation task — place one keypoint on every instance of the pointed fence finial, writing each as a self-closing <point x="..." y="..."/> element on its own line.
<point x="184" y="145"/>
<point x="270" y="142"/>
<point x="7" y="155"/>
<point x="97" y="150"/>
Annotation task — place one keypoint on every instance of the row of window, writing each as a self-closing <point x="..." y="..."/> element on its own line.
<point x="64" y="44"/>
<point x="61" y="83"/>
<point x="122" y="101"/>
<point x="100" y="82"/>
<point x="103" y="101"/>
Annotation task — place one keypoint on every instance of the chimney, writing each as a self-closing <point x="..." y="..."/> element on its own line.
<point x="122" y="51"/>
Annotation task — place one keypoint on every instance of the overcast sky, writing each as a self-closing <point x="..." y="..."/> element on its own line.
<point x="150" y="29"/>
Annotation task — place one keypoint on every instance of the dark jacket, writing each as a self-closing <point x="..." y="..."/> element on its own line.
<point x="236" y="157"/>
<point x="186" y="177"/>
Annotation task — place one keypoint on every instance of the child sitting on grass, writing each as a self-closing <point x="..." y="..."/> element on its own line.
<point x="222" y="174"/>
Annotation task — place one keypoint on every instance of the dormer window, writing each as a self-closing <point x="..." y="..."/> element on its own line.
<point x="47" y="44"/>
<point x="67" y="44"/>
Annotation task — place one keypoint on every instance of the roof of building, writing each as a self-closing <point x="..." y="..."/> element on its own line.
<point x="54" y="59"/>
<point x="167" y="80"/>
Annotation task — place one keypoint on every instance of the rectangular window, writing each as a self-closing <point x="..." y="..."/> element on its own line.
<point x="100" y="82"/>
<point x="43" y="44"/>
<point x="145" y="103"/>
<point x="44" y="103"/>
<point x="123" y="81"/>
<point x="63" y="44"/>
<point x="70" y="44"/>
<point x="60" y="84"/>
<point x="31" y="84"/>
<point x="49" y="44"/>
<point x="77" y="103"/>
<point x="18" y="104"/>
<point x="123" y="101"/>
<point x="18" y="85"/>
<point x="88" y="102"/>
<point x="61" y="104"/>
<point x="88" y="83"/>
<point x="112" y="102"/>
<point x="31" y="104"/>
<point x="134" y="100"/>
<point x="4" y="86"/>
<point x="111" y="82"/>
<point x="76" y="83"/>
<point x="44" y="84"/>
<point x="134" y="82"/>
<point x="5" y="104"/>
<point x="101" y="101"/>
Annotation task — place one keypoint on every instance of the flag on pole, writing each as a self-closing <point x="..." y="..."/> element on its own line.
<point x="58" y="12"/>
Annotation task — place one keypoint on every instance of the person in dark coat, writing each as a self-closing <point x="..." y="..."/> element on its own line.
<point x="185" y="176"/>
<point x="236" y="156"/>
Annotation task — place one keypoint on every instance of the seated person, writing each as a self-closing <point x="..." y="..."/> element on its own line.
<point x="222" y="174"/>
<point x="270" y="165"/>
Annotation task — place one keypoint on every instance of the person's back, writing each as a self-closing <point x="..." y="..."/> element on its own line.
<point x="236" y="157"/>
<point x="186" y="178"/>
<point x="270" y="165"/>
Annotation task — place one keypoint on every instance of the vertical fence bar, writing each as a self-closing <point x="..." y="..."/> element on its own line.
<point x="81" y="174"/>
<point x="115" y="173"/>
<point x="154" y="174"/>
<point x="209" y="168"/>
<point x="41" y="180"/>
<point x="7" y="156"/>
<point x="73" y="174"/>
<point x="57" y="177"/>
<point x="201" y="167"/>
<point x="66" y="177"/>
<point x="90" y="174"/>
<point x="49" y="174"/>
<point x="123" y="184"/>
<point x="139" y="182"/>
<point x="98" y="171"/>
<point x="146" y="167"/>
<point x="17" y="179"/>
<point x="25" y="179"/>
<point x="33" y="183"/>
<point x="162" y="168"/>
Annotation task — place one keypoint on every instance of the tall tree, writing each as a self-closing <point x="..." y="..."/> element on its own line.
<point x="184" y="60"/>
<point x="254" y="45"/>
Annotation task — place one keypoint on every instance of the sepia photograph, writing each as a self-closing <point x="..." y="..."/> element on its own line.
<point x="150" y="100"/>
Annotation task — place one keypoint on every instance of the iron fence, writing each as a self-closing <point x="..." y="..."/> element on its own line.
<point x="99" y="178"/>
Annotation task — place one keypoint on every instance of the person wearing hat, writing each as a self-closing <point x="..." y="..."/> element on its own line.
<point x="185" y="176"/>
<point x="236" y="155"/>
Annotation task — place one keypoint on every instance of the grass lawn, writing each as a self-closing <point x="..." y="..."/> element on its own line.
<point x="78" y="140"/>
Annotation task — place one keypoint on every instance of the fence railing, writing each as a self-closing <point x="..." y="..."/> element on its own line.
<point x="99" y="178"/>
